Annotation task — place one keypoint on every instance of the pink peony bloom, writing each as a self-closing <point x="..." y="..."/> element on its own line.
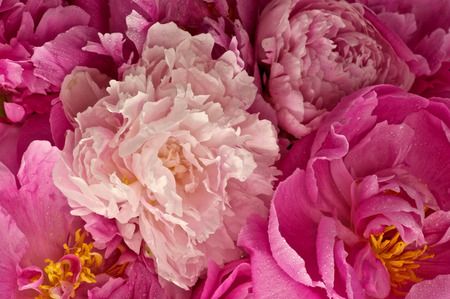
<point x="232" y="281"/>
<point x="38" y="48"/>
<point x="315" y="52"/>
<point x="40" y="43"/>
<point x="171" y="155"/>
<point x="47" y="252"/>
<point x="423" y="25"/>
<point x="367" y="212"/>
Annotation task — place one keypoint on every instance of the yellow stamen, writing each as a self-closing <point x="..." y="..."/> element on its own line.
<point x="60" y="272"/>
<point x="128" y="181"/>
<point x="400" y="262"/>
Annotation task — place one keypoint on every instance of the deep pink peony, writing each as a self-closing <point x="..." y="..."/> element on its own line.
<point x="170" y="154"/>
<point x="46" y="252"/>
<point x="364" y="211"/>
<point x="423" y="25"/>
<point x="315" y="52"/>
<point x="38" y="49"/>
<point x="425" y="28"/>
<point x="40" y="43"/>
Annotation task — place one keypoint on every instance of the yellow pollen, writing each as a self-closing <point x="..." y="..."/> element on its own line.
<point x="400" y="262"/>
<point x="60" y="272"/>
<point x="128" y="181"/>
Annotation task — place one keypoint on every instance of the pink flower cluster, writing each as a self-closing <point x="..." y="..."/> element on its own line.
<point x="225" y="149"/>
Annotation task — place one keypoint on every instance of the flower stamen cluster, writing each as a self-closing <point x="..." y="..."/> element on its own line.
<point x="400" y="262"/>
<point x="63" y="271"/>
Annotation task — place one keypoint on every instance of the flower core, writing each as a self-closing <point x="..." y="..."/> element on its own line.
<point x="400" y="262"/>
<point x="172" y="157"/>
<point x="74" y="268"/>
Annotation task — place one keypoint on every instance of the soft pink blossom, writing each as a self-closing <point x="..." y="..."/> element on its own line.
<point x="314" y="52"/>
<point x="171" y="155"/>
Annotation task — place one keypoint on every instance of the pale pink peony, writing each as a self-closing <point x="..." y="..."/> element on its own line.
<point x="315" y="52"/>
<point x="172" y="156"/>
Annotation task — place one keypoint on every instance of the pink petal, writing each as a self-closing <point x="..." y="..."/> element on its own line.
<point x="14" y="112"/>
<point x="36" y="127"/>
<point x="9" y="136"/>
<point x="55" y="59"/>
<point x="269" y="280"/>
<point x="385" y="146"/>
<point x="27" y="278"/>
<point x="296" y="257"/>
<point x="10" y="73"/>
<point x="59" y="125"/>
<point x="82" y="88"/>
<point x="40" y="208"/>
<point x="59" y="19"/>
<point x="435" y="288"/>
<point x="14" y="245"/>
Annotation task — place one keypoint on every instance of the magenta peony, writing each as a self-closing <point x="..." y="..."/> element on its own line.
<point x="40" y="43"/>
<point x="315" y="52"/>
<point x="423" y="25"/>
<point x="171" y="155"/>
<point x="39" y="48"/>
<point x="364" y="211"/>
<point x="47" y="253"/>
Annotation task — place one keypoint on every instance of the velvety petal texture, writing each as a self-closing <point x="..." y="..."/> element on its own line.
<point x="366" y="212"/>
<point x="170" y="154"/>
<point x="314" y="52"/>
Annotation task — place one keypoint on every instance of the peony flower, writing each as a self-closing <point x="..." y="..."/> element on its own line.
<point x="40" y="43"/>
<point x="425" y="29"/>
<point x="315" y="52"/>
<point x="364" y="213"/>
<point x="39" y="48"/>
<point x="47" y="252"/>
<point x="234" y="280"/>
<point x="171" y="155"/>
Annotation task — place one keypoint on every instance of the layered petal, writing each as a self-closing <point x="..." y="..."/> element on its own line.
<point x="180" y="113"/>
<point x="316" y="52"/>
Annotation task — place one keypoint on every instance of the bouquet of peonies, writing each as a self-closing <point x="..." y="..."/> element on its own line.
<point x="225" y="149"/>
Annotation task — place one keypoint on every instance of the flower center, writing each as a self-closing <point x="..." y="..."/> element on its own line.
<point x="400" y="262"/>
<point x="172" y="156"/>
<point x="74" y="268"/>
